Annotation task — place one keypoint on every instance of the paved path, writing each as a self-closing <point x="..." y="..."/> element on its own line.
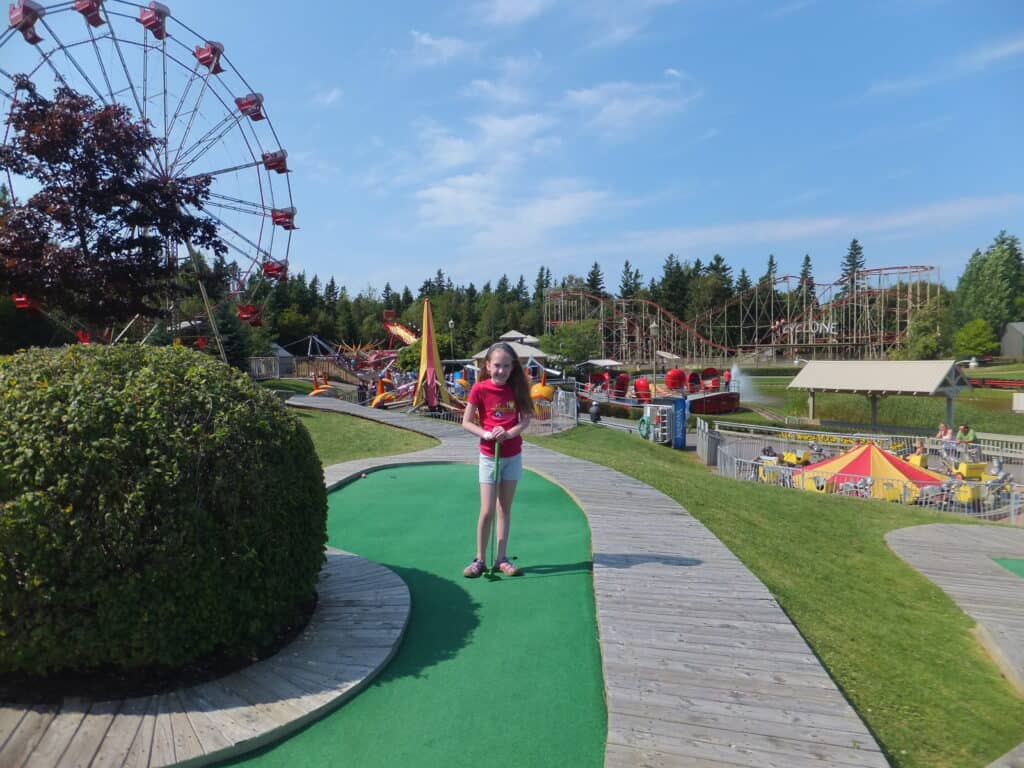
<point x="357" y="627"/>
<point x="958" y="558"/>
<point x="701" y="665"/>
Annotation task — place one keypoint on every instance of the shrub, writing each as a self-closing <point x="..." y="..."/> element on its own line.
<point x="155" y="508"/>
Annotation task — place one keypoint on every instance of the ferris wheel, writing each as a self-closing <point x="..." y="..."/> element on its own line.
<point x="209" y="120"/>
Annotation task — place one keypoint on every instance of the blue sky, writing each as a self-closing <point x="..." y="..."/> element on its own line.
<point x="492" y="136"/>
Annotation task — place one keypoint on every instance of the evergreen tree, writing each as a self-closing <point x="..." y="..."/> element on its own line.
<point x="233" y="336"/>
<point x="743" y="283"/>
<point x="631" y="282"/>
<point x="853" y="265"/>
<point x="407" y="298"/>
<point x="673" y="289"/>
<point x="595" y="280"/>
<point x="771" y="272"/>
<point x="541" y="284"/>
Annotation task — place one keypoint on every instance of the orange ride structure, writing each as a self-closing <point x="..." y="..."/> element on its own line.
<point x="431" y="389"/>
<point x="862" y="317"/>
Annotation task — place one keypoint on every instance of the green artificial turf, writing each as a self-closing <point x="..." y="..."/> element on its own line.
<point x="1012" y="564"/>
<point x="491" y="672"/>
<point x="897" y="645"/>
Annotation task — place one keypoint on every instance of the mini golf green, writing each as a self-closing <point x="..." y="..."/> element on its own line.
<point x="1013" y="565"/>
<point x="491" y="672"/>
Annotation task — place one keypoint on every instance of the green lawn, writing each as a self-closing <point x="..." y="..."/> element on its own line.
<point x="901" y="650"/>
<point x="298" y="386"/>
<point x="339" y="437"/>
<point x="1008" y="371"/>
<point x="987" y="410"/>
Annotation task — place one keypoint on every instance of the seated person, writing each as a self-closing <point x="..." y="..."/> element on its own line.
<point x="919" y="456"/>
<point x="965" y="434"/>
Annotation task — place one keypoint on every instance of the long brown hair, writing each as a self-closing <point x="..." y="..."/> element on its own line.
<point x="517" y="378"/>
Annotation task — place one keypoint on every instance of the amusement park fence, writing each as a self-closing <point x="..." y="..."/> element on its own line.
<point x="739" y="455"/>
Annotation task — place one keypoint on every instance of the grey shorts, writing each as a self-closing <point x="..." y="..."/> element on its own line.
<point x="510" y="469"/>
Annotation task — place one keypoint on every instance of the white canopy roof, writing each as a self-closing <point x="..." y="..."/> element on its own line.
<point x="874" y="377"/>
<point x="515" y="335"/>
<point x="523" y="351"/>
<point x="602" y="363"/>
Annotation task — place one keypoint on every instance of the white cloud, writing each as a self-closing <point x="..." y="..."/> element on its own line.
<point x="924" y="218"/>
<point x="990" y="54"/>
<point x="673" y="72"/>
<point x="971" y="63"/>
<point x="622" y="107"/>
<point x="430" y="51"/>
<point x="327" y="97"/>
<point x="790" y="8"/>
<point x="502" y="93"/>
<point x="508" y="89"/>
<point x="616" y="22"/>
<point x="505" y="13"/>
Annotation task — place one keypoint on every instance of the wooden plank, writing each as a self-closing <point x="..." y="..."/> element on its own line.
<point x="121" y="735"/>
<point x="22" y="741"/>
<point x="90" y="735"/>
<point x="60" y="733"/>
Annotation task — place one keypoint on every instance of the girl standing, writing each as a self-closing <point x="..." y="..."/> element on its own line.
<point x="502" y="400"/>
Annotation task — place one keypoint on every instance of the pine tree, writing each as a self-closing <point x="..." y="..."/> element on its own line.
<point x="630" y="282"/>
<point x="771" y="272"/>
<point x="853" y="265"/>
<point x="595" y="280"/>
<point x="743" y="283"/>
<point x="540" y="284"/>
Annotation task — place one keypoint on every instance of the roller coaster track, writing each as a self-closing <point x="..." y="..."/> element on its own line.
<point x="860" y="318"/>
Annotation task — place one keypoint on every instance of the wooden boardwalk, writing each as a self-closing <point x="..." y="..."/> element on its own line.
<point x="358" y="624"/>
<point x="701" y="665"/>
<point x="959" y="559"/>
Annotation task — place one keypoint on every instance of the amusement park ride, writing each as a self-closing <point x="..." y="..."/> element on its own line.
<point x="209" y="121"/>
<point x="860" y="319"/>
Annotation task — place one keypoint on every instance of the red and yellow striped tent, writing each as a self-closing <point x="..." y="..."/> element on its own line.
<point x="892" y="478"/>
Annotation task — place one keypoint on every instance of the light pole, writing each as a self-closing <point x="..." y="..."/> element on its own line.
<point x="451" y="335"/>
<point x="654" y="356"/>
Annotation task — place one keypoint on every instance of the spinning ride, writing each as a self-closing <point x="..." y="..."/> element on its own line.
<point x="209" y="120"/>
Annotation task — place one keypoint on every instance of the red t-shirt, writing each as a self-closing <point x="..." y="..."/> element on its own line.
<point x="497" y="408"/>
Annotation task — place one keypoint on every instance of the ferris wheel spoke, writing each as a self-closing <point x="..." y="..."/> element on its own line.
<point x="235" y="232"/>
<point x="191" y="121"/>
<point x="238" y="208"/>
<point x="253" y="206"/>
<point x="193" y="76"/>
<point x="74" y="62"/>
<point x="120" y="55"/>
<point x="209" y="140"/>
<point x="103" y="68"/>
<point x="222" y="171"/>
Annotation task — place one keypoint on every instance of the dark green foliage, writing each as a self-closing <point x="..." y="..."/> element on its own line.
<point x="853" y="263"/>
<point x="155" y="507"/>
<point x="595" y="280"/>
<point x="620" y="411"/>
<point x="992" y="284"/>
<point x="976" y="338"/>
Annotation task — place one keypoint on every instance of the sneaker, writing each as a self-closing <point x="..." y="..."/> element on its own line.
<point x="507" y="568"/>
<point x="475" y="569"/>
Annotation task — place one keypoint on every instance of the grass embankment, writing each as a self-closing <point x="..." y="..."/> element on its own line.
<point x="339" y="437"/>
<point x="986" y="410"/>
<point x="1008" y="371"/>
<point x="897" y="645"/>
<point x="298" y="386"/>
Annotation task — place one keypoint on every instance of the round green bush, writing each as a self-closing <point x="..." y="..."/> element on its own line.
<point x="155" y="508"/>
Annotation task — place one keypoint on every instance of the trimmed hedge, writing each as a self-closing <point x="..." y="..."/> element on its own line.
<point x="155" y="507"/>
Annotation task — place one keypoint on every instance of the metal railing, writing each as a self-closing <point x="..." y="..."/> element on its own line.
<point x="997" y="498"/>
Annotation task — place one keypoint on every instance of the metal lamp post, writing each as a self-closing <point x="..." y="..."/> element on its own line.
<point x="451" y="335"/>
<point x="654" y="355"/>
